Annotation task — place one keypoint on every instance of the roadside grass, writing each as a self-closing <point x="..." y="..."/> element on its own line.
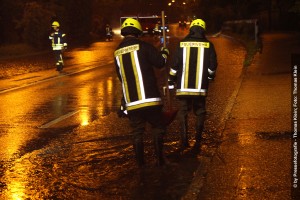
<point x="17" y="50"/>
<point x="251" y="47"/>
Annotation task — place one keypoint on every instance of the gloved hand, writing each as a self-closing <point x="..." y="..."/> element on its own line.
<point x="165" y="52"/>
<point x="171" y="85"/>
<point x="211" y="76"/>
<point x="122" y="112"/>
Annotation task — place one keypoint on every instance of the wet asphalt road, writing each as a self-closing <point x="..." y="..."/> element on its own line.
<point x="61" y="139"/>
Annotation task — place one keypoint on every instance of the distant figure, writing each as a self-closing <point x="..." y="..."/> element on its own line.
<point x="59" y="44"/>
<point x="258" y="39"/>
<point x="108" y="32"/>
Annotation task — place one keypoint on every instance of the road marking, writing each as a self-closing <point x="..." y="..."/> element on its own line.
<point x="59" y="119"/>
<point x="53" y="78"/>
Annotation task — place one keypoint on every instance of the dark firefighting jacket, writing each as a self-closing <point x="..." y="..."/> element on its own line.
<point x="134" y="61"/>
<point x="194" y="62"/>
<point x="58" y="39"/>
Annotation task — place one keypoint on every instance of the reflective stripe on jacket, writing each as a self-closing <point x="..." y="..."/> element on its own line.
<point x="58" y="40"/>
<point x="195" y="60"/>
<point x="134" y="61"/>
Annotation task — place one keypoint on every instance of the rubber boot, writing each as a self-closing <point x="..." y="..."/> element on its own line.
<point x="61" y="67"/>
<point x="158" y="146"/>
<point x="199" y="129"/>
<point x="184" y="135"/>
<point x="57" y="66"/>
<point x="138" y="146"/>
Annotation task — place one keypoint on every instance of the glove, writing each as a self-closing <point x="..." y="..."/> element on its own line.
<point x="211" y="77"/>
<point x="211" y="74"/>
<point x="170" y="85"/>
<point x="122" y="112"/>
<point x="165" y="52"/>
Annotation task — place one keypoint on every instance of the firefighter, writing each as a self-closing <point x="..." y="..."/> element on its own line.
<point x="135" y="61"/>
<point x="195" y="62"/>
<point x="59" y="44"/>
<point x="108" y="32"/>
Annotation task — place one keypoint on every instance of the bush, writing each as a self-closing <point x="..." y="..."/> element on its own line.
<point x="36" y="25"/>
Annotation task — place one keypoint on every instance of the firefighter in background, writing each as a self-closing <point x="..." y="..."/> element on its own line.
<point x="135" y="61"/>
<point x="59" y="44"/>
<point x="195" y="62"/>
<point x="108" y="32"/>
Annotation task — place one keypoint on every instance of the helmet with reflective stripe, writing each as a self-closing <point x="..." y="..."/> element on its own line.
<point x="129" y="22"/>
<point x="55" y="24"/>
<point x="198" y="22"/>
<point x="131" y="26"/>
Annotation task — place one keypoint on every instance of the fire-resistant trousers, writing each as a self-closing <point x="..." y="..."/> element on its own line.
<point x="58" y="60"/>
<point x="198" y="105"/>
<point x="138" y="120"/>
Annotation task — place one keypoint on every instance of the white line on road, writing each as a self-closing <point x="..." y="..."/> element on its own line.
<point x="52" y="78"/>
<point x="59" y="119"/>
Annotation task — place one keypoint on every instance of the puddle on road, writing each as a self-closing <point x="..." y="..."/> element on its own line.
<point x="277" y="135"/>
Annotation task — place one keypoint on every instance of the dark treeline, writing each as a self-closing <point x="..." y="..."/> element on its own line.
<point x="273" y="14"/>
<point x="30" y="20"/>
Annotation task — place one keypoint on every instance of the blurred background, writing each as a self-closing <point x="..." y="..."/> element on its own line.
<point x="29" y="21"/>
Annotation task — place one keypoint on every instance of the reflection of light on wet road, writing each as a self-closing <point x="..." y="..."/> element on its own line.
<point x="84" y="117"/>
<point x="243" y="183"/>
<point x="246" y="138"/>
<point x="11" y="142"/>
<point x="85" y="99"/>
<point x="95" y="53"/>
<point x="14" y="109"/>
<point x="105" y="89"/>
<point x="17" y="190"/>
<point x="84" y="57"/>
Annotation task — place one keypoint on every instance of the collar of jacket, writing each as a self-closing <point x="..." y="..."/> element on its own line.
<point x="129" y="38"/>
<point x="198" y="35"/>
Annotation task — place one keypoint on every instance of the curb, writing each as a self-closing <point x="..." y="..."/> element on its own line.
<point x="205" y="162"/>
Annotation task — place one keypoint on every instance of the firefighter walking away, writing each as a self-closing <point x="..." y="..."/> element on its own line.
<point x="195" y="62"/>
<point x="108" y="32"/>
<point x="135" y="61"/>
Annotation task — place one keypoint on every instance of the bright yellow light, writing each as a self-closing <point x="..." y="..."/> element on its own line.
<point x="16" y="197"/>
<point x="84" y="117"/>
<point x="169" y="4"/>
<point x="183" y="3"/>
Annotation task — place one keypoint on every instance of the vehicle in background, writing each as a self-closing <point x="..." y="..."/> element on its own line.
<point x="182" y="24"/>
<point x="158" y="30"/>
